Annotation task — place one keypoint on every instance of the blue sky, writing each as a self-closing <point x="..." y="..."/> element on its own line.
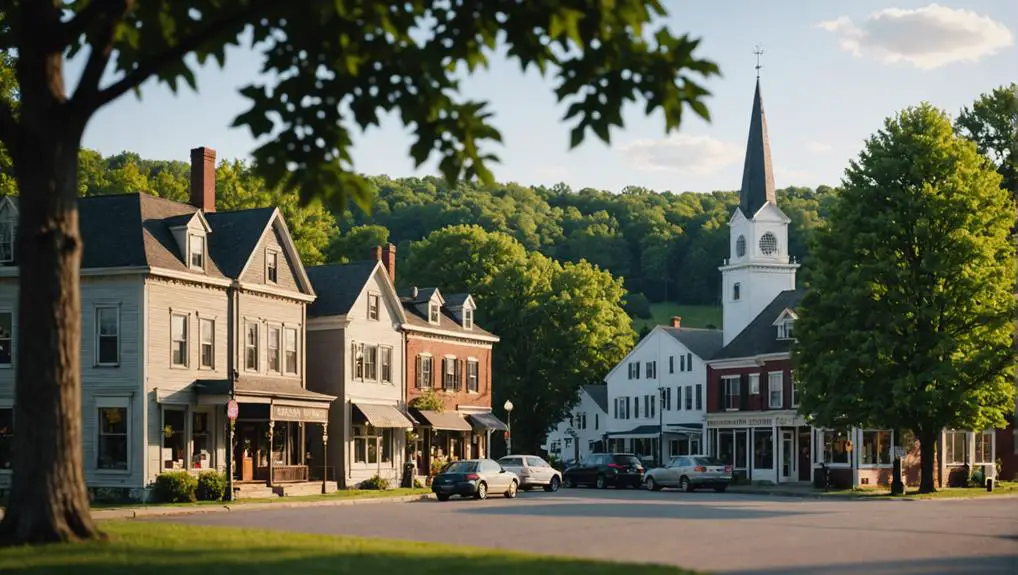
<point x="833" y="70"/>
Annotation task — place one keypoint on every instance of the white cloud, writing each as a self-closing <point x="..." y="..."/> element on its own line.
<point x="681" y="153"/>
<point x="927" y="37"/>
<point x="818" y="147"/>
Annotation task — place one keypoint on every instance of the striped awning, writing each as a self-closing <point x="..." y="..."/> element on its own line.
<point x="387" y="416"/>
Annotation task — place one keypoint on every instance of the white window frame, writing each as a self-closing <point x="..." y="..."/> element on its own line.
<point x="202" y="251"/>
<point x="274" y="354"/>
<point x="951" y="437"/>
<point x="448" y="364"/>
<point x="754" y="384"/>
<point x="370" y="367"/>
<point x="374" y="314"/>
<point x="976" y="436"/>
<point x="473" y="379"/>
<point x="113" y="403"/>
<point x="468" y="318"/>
<point x="780" y="404"/>
<point x="699" y="396"/>
<point x="689" y="398"/>
<point x="427" y="367"/>
<point x="786" y="329"/>
<point x="9" y="340"/>
<point x="385" y="366"/>
<point x="98" y="327"/>
<point x="434" y="313"/>
<point x="889" y="434"/>
<point x="248" y="346"/>
<point x="271" y="263"/>
<point x="202" y="344"/>
<point x="795" y="390"/>
<point x="287" y="331"/>
<point x="727" y="381"/>
<point x="175" y="341"/>
<point x="822" y="448"/>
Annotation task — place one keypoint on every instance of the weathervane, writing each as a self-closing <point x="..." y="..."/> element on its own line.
<point x="759" y="52"/>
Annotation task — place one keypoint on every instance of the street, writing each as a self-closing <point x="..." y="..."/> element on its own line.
<point x="724" y="533"/>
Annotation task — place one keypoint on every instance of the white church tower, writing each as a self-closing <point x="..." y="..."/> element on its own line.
<point x="758" y="268"/>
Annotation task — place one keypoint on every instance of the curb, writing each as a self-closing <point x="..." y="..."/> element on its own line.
<point x="836" y="497"/>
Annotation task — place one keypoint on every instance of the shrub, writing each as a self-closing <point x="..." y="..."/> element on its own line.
<point x="211" y="486"/>
<point x="637" y="305"/>
<point x="175" y="487"/>
<point x="418" y="484"/>
<point x="978" y="478"/>
<point x="376" y="482"/>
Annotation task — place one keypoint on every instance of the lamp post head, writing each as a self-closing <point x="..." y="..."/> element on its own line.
<point x="508" y="405"/>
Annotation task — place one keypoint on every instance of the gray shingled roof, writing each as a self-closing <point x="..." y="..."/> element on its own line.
<point x="761" y="336"/>
<point x="234" y="236"/>
<point x="757" y="173"/>
<point x="446" y="322"/>
<point x="338" y="286"/>
<point x="456" y="299"/>
<point x="599" y="393"/>
<point x="703" y="342"/>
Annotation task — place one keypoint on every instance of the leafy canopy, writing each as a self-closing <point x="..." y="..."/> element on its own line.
<point x="910" y="315"/>
<point x="335" y="65"/>
<point x="992" y="123"/>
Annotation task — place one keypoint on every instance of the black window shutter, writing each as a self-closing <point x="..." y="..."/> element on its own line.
<point x="722" y="384"/>
<point x="744" y="391"/>
<point x="419" y="372"/>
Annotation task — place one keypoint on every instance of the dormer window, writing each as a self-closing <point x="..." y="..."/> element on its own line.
<point x="785" y="329"/>
<point x="433" y="312"/>
<point x="197" y="252"/>
<point x="272" y="266"/>
<point x="468" y="318"/>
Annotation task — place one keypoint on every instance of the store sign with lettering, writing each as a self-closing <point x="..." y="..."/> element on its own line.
<point x="780" y="421"/>
<point x="306" y="414"/>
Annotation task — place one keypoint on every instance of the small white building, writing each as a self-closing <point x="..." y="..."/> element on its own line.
<point x="582" y="433"/>
<point x="658" y="393"/>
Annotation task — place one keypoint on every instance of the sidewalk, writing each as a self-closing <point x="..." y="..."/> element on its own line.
<point x="807" y="491"/>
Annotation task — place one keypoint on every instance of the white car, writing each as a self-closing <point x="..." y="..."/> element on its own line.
<point x="687" y="472"/>
<point x="532" y="471"/>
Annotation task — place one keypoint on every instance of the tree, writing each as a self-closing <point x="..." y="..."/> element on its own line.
<point x="355" y="243"/>
<point x="561" y="326"/>
<point x="992" y="123"/>
<point x="330" y="65"/>
<point x="909" y="318"/>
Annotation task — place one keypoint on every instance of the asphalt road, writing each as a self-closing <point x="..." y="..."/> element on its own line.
<point x="715" y="532"/>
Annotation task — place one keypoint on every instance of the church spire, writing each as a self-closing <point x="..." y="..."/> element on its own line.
<point x="757" y="174"/>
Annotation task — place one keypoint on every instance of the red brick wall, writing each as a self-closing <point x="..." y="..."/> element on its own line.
<point x="439" y="349"/>
<point x="754" y="402"/>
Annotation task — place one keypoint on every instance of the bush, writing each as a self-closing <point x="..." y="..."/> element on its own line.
<point x="211" y="486"/>
<point x="637" y="305"/>
<point x="418" y="484"/>
<point x="376" y="482"/>
<point x="978" y="478"/>
<point x="175" y="487"/>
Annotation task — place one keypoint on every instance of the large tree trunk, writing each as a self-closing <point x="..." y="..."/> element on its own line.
<point x="927" y="457"/>
<point x="48" y="501"/>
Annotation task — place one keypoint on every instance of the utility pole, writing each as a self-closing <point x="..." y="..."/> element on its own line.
<point x="661" y="427"/>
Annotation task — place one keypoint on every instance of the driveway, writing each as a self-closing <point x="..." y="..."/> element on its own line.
<point x="714" y="532"/>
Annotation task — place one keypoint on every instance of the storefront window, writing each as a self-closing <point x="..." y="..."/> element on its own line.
<point x="368" y="441"/>
<point x="955" y="447"/>
<point x="173" y="438"/>
<point x="836" y="447"/>
<point x="763" y="449"/>
<point x="112" y="449"/>
<point x="876" y="448"/>
<point x="984" y="447"/>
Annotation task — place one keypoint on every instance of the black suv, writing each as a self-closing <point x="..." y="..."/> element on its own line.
<point x="604" y="469"/>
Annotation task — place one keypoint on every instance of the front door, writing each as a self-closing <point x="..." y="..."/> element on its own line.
<point x="788" y="455"/>
<point x="805" y="462"/>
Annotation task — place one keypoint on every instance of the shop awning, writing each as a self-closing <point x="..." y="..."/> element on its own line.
<point x="383" y="415"/>
<point x="486" y="421"/>
<point x="443" y="420"/>
<point x="275" y="391"/>
<point x="641" y="432"/>
<point x="684" y="428"/>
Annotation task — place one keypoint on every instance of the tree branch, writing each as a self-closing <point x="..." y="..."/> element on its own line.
<point x="111" y="13"/>
<point x="75" y="27"/>
<point x="148" y="68"/>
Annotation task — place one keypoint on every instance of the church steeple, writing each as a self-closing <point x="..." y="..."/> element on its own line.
<point x="757" y="174"/>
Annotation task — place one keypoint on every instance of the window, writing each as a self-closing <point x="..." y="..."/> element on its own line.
<point x="583" y="420"/>
<point x="107" y="320"/>
<point x="290" y="350"/>
<point x="433" y="313"/>
<point x="424" y="371"/>
<point x="251" y="347"/>
<point x="768" y="244"/>
<point x="636" y="368"/>
<point x="740" y="247"/>
<point x="795" y="391"/>
<point x="178" y="339"/>
<point x="8" y="230"/>
<point x="678" y="398"/>
<point x="754" y="384"/>
<point x="763" y="449"/>
<point x="197" y="252"/>
<point x="682" y="363"/>
<point x="668" y="398"/>
<point x="776" y="389"/>
<point x="956" y="447"/>
<point x="451" y="376"/>
<point x="173" y="454"/>
<point x="627" y="407"/>
<point x="6" y="437"/>
<point x="671" y="364"/>
<point x="597" y="423"/>
<point x="473" y="371"/>
<point x="732" y="392"/>
<point x="272" y="266"/>
<point x="371" y="362"/>
<point x="111" y="450"/>
<point x="785" y="329"/>
<point x="207" y="353"/>
<point x="651" y="370"/>
<point x="736" y="292"/>
<point x="984" y="447"/>
<point x="373" y="306"/>
<point x="836" y="447"/>
<point x="468" y="318"/>
<point x="876" y="448"/>
<point x="699" y="397"/>
<point x="636" y="410"/>
<point x="202" y="450"/>
<point x="273" y="350"/>
<point x="689" y="397"/>
<point x="386" y="363"/>
<point x="6" y="338"/>
<point x="372" y="445"/>
<point x="689" y="362"/>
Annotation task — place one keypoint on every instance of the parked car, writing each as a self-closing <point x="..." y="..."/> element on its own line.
<point x="533" y="471"/>
<point x="604" y="469"/>
<point x="474" y="478"/>
<point x="688" y="472"/>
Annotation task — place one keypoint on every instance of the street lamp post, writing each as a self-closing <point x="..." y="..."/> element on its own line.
<point x="508" y="406"/>
<point x="661" y="426"/>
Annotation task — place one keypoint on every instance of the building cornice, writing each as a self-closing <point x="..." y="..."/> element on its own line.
<point x="266" y="290"/>
<point x="749" y="361"/>
<point x="478" y="337"/>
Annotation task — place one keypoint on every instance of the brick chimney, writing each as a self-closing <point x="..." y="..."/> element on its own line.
<point x="676" y="321"/>
<point x="389" y="261"/>
<point x="203" y="179"/>
<point x="376" y="254"/>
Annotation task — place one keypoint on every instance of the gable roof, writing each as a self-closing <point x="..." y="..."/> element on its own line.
<point x="457" y="300"/>
<point x="598" y="393"/>
<point x="235" y="236"/>
<point x="702" y="342"/>
<point x="338" y="286"/>
<point x="760" y="336"/>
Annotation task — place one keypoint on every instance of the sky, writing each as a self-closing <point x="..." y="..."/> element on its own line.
<point x="833" y="70"/>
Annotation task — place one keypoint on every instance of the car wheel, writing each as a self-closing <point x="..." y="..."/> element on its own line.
<point x="511" y="492"/>
<point x="482" y="491"/>
<point x="524" y="488"/>
<point x="568" y="482"/>
<point x="443" y="497"/>
<point x="552" y="485"/>
<point x="652" y="485"/>
<point x="686" y="485"/>
<point x="601" y="482"/>
<point x="720" y="488"/>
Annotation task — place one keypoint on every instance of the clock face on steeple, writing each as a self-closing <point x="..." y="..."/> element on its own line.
<point x="768" y="244"/>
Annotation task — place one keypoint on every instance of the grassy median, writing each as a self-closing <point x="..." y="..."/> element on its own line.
<point x="338" y="494"/>
<point x="173" y="549"/>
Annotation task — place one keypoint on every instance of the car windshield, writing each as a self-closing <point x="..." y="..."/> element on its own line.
<point x="627" y="460"/>
<point x="510" y="461"/>
<point x="707" y="461"/>
<point x="461" y="467"/>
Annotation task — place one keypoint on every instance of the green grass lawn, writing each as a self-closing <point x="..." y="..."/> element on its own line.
<point x="1001" y="488"/>
<point x="170" y="549"/>
<point x="692" y="315"/>
<point x="339" y="494"/>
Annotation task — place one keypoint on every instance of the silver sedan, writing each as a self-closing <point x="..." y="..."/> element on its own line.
<point x="688" y="472"/>
<point x="532" y="471"/>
